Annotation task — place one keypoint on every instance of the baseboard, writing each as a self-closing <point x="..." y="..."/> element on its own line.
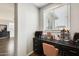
<point x="30" y="53"/>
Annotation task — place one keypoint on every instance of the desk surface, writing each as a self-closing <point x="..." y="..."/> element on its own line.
<point x="62" y="42"/>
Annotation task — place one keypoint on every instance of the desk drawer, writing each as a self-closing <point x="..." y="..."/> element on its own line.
<point x="70" y="51"/>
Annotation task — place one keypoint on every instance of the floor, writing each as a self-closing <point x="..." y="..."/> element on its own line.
<point x="35" y="54"/>
<point x="7" y="47"/>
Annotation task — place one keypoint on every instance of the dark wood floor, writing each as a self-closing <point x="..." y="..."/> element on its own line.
<point x="6" y="47"/>
<point x="35" y="54"/>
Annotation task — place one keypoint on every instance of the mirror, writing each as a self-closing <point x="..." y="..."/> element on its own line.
<point x="56" y="18"/>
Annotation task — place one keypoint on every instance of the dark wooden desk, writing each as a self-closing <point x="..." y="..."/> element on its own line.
<point x="66" y="48"/>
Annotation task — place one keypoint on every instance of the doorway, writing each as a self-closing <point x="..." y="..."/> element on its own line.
<point x="7" y="29"/>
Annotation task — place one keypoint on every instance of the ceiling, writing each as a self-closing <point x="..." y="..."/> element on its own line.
<point x="39" y="5"/>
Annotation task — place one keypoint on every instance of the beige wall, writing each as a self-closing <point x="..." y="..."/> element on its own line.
<point x="74" y="18"/>
<point x="7" y="12"/>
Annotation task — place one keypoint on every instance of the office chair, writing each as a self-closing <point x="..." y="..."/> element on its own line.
<point x="49" y="50"/>
<point x="38" y="34"/>
<point x="76" y="37"/>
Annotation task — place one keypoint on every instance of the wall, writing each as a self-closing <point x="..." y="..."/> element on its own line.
<point x="74" y="18"/>
<point x="7" y="11"/>
<point x="46" y="8"/>
<point x="7" y="16"/>
<point x="27" y="25"/>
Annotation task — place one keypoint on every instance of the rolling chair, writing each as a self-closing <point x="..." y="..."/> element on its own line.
<point x="76" y="38"/>
<point x="50" y="50"/>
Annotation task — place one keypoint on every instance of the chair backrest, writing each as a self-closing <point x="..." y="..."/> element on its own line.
<point x="76" y="36"/>
<point x="49" y="50"/>
<point x="38" y="34"/>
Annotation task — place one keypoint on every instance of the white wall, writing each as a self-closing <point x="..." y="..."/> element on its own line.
<point x="7" y="16"/>
<point x="27" y="25"/>
<point x="11" y="29"/>
<point x="74" y="18"/>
